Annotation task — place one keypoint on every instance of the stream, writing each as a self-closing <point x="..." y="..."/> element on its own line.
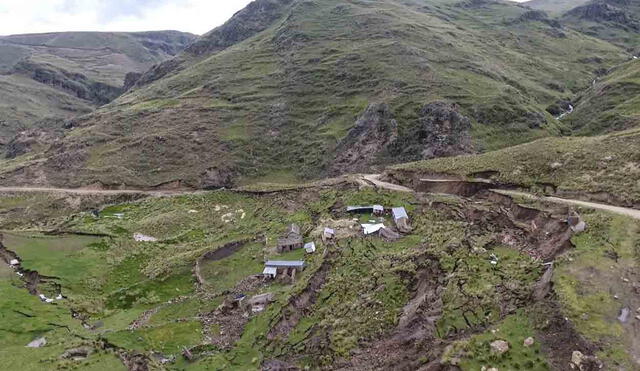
<point x="570" y="111"/>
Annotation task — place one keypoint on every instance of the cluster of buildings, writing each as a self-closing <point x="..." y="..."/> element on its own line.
<point x="292" y="239"/>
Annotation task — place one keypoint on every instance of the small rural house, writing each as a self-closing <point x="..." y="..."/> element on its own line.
<point x="401" y="218"/>
<point x="369" y="229"/>
<point x="273" y="268"/>
<point x="310" y="247"/>
<point x="291" y="240"/>
<point x="373" y="209"/>
<point x="329" y="234"/>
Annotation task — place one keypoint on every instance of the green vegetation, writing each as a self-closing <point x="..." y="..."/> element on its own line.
<point x="276" y="104"/>
<point x="611" y="104"/>
<point x="593" y="283"/>
<point x="605" y="164"/>
<point x="143" y="297"/>
<point x="473" y="286"/>
<point x="555" y="7"/>
<point x="474" y="353"/>
<point x="37" y="83"/>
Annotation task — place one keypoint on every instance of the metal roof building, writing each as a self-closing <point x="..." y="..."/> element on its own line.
<point x="310" y="247"/>
<point x="399" y="213"/>
<point x="285" y="264"/>
<point x="372" y="208"/>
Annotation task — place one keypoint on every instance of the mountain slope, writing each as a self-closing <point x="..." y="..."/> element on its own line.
<point x="275" y="102"/>
<point x="64" y="74"/>
<point x="602" y="168"/>
<point x="555" y="7"/>
<point x="617" y="21"/>
<point x="611" y="104"/>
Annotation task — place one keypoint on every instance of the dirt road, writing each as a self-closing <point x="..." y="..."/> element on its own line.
<point x="367" y="179"/>
<point x="633" y="213"/>
<point x="374" y="179"/>
<point x="81" y="191"/>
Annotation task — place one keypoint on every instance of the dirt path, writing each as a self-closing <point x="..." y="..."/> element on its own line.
<point x="633" y="213"/>
<point x="374" y="179"/>
<point x="81" y="191"/>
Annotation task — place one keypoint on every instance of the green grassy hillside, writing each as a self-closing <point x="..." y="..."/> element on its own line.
<point x="611" y="104"/>
<point x="463" y="278"/>
<point x="283" y="92"/>
<point x="617" y="21"/>
<point x="602" y="167"/>
<point x="554" y="7"/>
<point x="67" y="74"/>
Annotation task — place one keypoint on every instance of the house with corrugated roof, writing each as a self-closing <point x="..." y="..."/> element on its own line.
<point x="291" y="239"/>
<point x="274" y="268"/>
<point x="310" y="247"/>
<point x="373" y="209"/>
<point x="401" y="218"/>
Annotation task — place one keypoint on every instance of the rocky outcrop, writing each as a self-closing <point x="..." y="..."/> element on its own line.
<point x="256" y="17"/>
<point x="537" y="16"/>
<point x="217" y="177"/>
<point x="374" y="130"/>
<point x="27" y="141"/>
<point x="130" y="80"/>
<point x="472" y="4"/>
<point x="606" y="11"/>
<point x="164" y="42"/>
<point x="74" y="83"/>
<point x="441" y="130"/>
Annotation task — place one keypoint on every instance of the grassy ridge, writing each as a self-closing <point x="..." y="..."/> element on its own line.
<point x="57" y="60"/>
<point x="611" y="104"/>
<point x="284" y="98"/>
<point x="604" y="164"/>
<point x="369" y="274"/>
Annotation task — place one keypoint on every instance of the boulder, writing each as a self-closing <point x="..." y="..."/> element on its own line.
<point x="542" y="288"/>
<point x="37" y="343"/>
<point x="499" y="347"/>
<point x="76" y="354"/>
<point x="583" y="362"/>
<point x="528" y="341"/>
<point x="576" y="223"/>
<point x="624" y="315"/>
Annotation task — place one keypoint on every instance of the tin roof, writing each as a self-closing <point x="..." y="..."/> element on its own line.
<point x="371" y="228"/>
<point x="399" y="212"/>
<point x="270" y="270"/>
<point x="290" y="240"/>
<point x="329" y="231"/>
<point x="310" y="247"/>
<point x="292" y="229"/>
<point x="363" y="208"/>
<point x="284" y="264"/>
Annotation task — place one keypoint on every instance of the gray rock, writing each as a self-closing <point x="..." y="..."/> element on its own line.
<point x="624" y="315"/>
<point x="499" y="347"/>
<point x="528" y="341"/>
<point x="37" y="343"/>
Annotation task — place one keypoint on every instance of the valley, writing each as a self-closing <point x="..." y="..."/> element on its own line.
<point x="110" y="282"/>
<point x="434" y="185"/>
